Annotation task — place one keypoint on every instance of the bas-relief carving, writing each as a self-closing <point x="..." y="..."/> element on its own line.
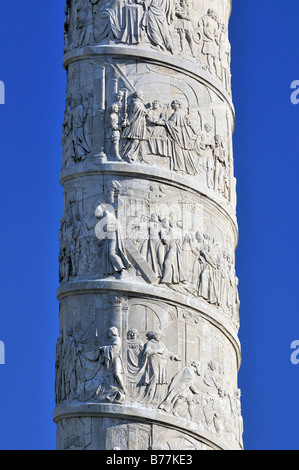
<point x="149" y="437"/>
<point x="81" y="434"/>
<point x="129" y="436"/>
<point x="87" y="370"/>
<point x="182" y="390"/>
<point x="172" y="440"/>
<point x="152" y="375"/>
<point x="221" y="405"/>
<point x="75" y="434"/>
<point x="76" y="134"/>
<point x="194" y="30"/>
<point x="133" y="351"/>
<point x="151" y="367"/>
<point x="176" y="138"/>
<point x="183" y="245"/>
<point x="141" y="233"/>
<point x="187" y="130"/>
<point x="112" y="251"/>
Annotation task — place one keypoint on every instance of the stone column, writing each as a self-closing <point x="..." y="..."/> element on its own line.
<point x="148" y="351"/>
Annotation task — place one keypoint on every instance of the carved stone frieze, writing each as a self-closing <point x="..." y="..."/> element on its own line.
<point x="147" y="355"/>
<point x="149" y="368"/>
<point x="183" y="128"/>
<point x="139" y="230"/>
<point x="196" y="30"/>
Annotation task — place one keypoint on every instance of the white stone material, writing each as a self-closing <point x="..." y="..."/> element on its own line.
<point x="148" y="351"/>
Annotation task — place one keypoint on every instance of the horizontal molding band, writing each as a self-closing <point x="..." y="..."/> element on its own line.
<point x="142" y="415"/>
<point x="136" y="289"/>
<point x="187" y="67"/>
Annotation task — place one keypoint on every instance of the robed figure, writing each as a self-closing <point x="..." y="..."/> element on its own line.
<point x="107" y="19"/>
<point x="158" y="16"/>
<point x="172" y="271"/>
<point x="113" y="253"/>
<point x="206" y="282"/>
<point x="79" y="144"/>
<point x="135" y="135"/>
<point x="154" y="377"/>
<point x="116" y="19"/>
<point x="102" y="371"/>
<point x="182" y="141"/>
<point x="182" y="389"/>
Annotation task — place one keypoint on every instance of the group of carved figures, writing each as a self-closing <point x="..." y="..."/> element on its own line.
<point x="101" y="374"/>
<point x="194" y="260"/>
<point x="145" y="131"/>
<point x="191" y="262"/>
<point x="139" y="133"/>
<point x="211" y="272"/>
<point x="78" y="246"/>
<point x="158" y="22"/>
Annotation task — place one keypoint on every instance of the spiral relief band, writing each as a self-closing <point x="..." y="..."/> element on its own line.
<point x="148" y="351"/>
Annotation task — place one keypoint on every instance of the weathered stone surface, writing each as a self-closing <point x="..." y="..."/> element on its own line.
<point x="148" y="351"/>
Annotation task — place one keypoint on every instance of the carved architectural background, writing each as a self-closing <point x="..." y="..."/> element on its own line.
<point x="148" y="351"/>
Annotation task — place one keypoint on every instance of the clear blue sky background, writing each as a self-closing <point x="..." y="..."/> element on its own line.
<point x="264" y="36"/>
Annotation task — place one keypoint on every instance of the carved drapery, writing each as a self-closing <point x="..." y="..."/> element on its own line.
<point x="149" y="306"/>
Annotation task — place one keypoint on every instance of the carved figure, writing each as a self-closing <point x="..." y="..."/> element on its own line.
<point x="158" y="15"/>
<point x="110" y="356"/>
<point x="113" y="253"/>
<point x="158" y="141"/>
<point x="114" y="132"/>
<point x="107" y="19"/>
<point x="210" y="35"/>
<point x="221" y="167"/>
<point x="208" y="143"/>
<point x="119" y="101"/>
<point x="225" y="58"/>
<point x="232" y="295"/>
<point x="67" y="22"/>
<point x="155" y="252"/>
<point x="135" y="347"/>
<point x="172" y="272"/>
<point x="78" y="242"/>
<point x="80" y="148"/>
<point x="190" y="257"/>
<point x="184" y="26"/>
<point x="100" y="371"/>
<point x="135" y="134"/>
<point x="67" y="249"/>
<point x="224" y="413"/>
<point x="117" y="20"/>
<point x="154" y="371"/>
<point x="212" y="379"/>
<point x="182" y="140"/>
<point x="69" y="364"/>
<point x="134" y="359"/>
<point x="237" y="416"/>
<point x="59" y="372"/>
<point x="182" y="389"/>
<point x="84" y="24"/>
<point x="206" y="286"/>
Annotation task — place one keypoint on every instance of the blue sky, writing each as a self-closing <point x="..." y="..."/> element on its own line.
<point x="264" y="38"/>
